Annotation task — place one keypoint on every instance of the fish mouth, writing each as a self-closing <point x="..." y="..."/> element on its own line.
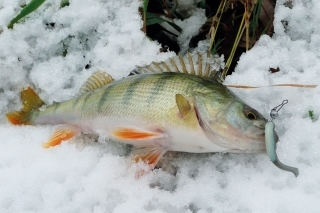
<point x="261" y="126"/>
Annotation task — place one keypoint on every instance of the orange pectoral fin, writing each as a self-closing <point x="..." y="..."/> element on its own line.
<point x="134" y="134"/>
<point x="60" y="135"/>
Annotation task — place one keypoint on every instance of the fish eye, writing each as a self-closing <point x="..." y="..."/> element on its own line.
<point x="251" y="116"/>
<point x="250" y="113"/>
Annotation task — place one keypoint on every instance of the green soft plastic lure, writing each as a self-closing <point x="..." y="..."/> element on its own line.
<point x="271" y="144"/>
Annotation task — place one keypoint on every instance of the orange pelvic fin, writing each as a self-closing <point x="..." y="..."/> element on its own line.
<point x="30" y="101"/>
<point x="149" y="155"/>
<point x="134" y="134"/>
<point x="62" y="134"/>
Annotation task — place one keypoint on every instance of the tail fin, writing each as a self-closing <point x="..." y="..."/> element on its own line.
<point x="30" y="101"/>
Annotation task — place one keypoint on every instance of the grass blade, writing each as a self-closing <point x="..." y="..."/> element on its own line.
<point x="153" y="18"/>
<point x="29" y="8"/>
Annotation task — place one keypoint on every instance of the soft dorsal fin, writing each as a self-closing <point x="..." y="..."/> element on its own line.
<point x="199" y="64"/>
<point x="96" y="80"/>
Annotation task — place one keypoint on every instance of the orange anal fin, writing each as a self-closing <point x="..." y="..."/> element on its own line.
<point x="134" y="134"/>
<point x="60" y="135"/>
<point x="150" y="155"/>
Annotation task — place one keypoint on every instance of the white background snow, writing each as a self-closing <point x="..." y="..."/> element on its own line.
<point x="86" y="176"/>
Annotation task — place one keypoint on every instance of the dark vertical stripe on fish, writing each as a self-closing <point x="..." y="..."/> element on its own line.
<point x="129" y="92"/>
<point x="158" y="87"/>
<point x="85" y="99"/>
<point x="74" y="105"/>
<point x="104" y="97"/>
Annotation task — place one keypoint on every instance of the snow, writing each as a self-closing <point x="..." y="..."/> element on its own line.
<point x="85" y="176"/>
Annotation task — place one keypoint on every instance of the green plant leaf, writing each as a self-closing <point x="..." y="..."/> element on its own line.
<point x="311" y="115"/>
<point x="216" y="46"/>
<point x="145" y="5"/>
<point x="202" y="4"/>
<point x="153" y="18"/>
<point x="29" y="8"/>
<point x="64" y="3"/>
<point x="255" y="18"/>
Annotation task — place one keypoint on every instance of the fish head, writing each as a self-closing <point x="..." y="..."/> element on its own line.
<point x="230" y="123"/>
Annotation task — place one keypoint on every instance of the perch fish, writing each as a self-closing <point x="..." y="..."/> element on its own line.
<point x="175" y="105"/>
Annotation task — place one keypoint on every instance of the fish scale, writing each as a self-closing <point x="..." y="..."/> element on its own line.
<point x="143" y="91"/>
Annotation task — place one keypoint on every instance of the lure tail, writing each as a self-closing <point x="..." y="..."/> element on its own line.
<point x="30" y="101"/>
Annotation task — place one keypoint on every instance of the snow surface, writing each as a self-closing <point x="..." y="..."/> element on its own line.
<point x="85" y="176"/>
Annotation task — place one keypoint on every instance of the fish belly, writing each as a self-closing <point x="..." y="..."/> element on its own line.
<point x="171" y="139"/>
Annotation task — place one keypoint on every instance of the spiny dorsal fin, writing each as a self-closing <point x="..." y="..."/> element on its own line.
<point x="199" y="64"/>
<point x="30" y="102"/>
<point x="95" y="81"/>
<point x="183" y="105"/>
